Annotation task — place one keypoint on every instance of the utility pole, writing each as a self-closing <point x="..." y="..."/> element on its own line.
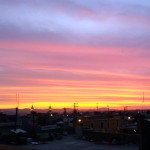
<point x="50" y="111"/>
<point x="50" y="115"/>
<point x="97" y="106"/>
<point x="75" y="108"/>
<point x="125" y="108"/>
<point x="16" y="118"/>
<point x="75" y="114"/>
<point x="65" y="112"/>
<point x="33" y="125"/>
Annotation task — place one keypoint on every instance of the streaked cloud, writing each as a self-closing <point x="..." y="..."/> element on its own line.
<point x="71" y="49"/>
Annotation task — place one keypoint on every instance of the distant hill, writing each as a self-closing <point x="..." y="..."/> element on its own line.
<point x="27" y="111"/>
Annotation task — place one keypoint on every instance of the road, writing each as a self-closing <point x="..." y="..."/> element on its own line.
<point x="71" y="143"/>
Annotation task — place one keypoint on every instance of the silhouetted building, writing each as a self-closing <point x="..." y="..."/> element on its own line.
<point x="103" y="123"/>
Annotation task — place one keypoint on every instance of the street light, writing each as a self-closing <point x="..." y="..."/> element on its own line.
<point x="129" y="118"/>
<point x="33" y="126"/>
<point x="32" y="108"/>
<point x="79" y="120"/>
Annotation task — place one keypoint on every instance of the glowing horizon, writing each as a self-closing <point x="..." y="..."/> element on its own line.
<point x="60" y="52"/>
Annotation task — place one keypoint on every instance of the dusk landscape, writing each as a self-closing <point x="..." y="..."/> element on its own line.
<point x="71" y="56"/>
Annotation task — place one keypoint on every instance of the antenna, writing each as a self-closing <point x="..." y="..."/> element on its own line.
<point x="143" y="101"/>
<point x="17" y="100"/>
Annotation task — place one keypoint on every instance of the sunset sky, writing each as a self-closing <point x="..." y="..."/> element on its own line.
<point x="57" y="52"/>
